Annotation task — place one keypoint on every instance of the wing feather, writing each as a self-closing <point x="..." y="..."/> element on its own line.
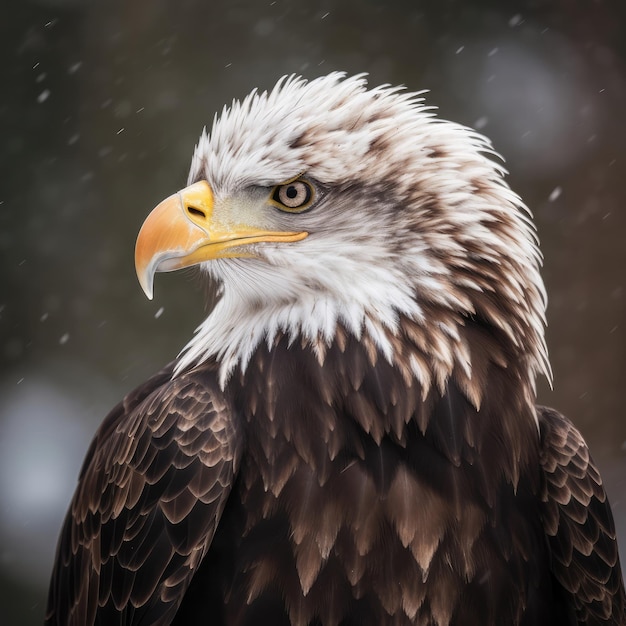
<point x="579" y="525"/>
<point x="150" y="495"/>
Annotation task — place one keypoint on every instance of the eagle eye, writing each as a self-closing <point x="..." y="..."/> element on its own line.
<point x="294" y="196"/>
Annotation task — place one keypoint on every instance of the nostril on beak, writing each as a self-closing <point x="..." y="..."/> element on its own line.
<point x="195" y="212"/>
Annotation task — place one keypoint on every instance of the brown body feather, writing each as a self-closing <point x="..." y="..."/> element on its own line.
<point x="331" y="493"/>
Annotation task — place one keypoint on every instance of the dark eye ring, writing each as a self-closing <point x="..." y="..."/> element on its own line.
<point x="294" y="196"/>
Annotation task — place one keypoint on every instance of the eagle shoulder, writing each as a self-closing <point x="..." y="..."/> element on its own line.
<point x="579" y="526"/>
<point x="149" y="498"/>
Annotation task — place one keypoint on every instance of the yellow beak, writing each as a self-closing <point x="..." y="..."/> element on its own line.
<point x="181" y="231"/>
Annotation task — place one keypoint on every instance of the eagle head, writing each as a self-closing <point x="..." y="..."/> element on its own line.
<point x="323" y="207"/>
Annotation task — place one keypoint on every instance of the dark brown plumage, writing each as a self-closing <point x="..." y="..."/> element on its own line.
<point x="392" y="471"/>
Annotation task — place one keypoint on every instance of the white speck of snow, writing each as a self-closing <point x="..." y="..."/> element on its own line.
<point x="492" y="52"/>
<point x="460" y="49"/>
<point x="481" y="122"/>
<point x="227" y="65"/>
<point x="516" y="20"/>
<point x="64" y="338"/>
<point x="72" y="69"/>
<point x="41" y="77"/>
<point x="555" y="193"/>
<point x="325" y="15"/>
<point x="73" y="139"/>
<point x="21" y="380"/>
<point x="43" y="96"/>
<point x="44" y="317"/>
<point x="121" y="130"/>
<point x="159" y="313"/>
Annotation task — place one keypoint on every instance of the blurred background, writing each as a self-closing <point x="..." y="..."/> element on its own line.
<point x="100" y="106"/>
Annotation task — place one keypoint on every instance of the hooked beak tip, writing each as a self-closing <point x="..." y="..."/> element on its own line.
<point x="146" y="280"/>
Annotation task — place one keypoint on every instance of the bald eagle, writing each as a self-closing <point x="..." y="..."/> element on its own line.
<point x="351" y="436"/>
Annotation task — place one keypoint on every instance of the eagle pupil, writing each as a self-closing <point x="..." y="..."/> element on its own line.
<point x="292" y="192"/>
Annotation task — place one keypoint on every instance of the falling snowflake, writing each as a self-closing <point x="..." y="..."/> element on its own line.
<point x="554" y="194"/>
<point x="481" y="122"/>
